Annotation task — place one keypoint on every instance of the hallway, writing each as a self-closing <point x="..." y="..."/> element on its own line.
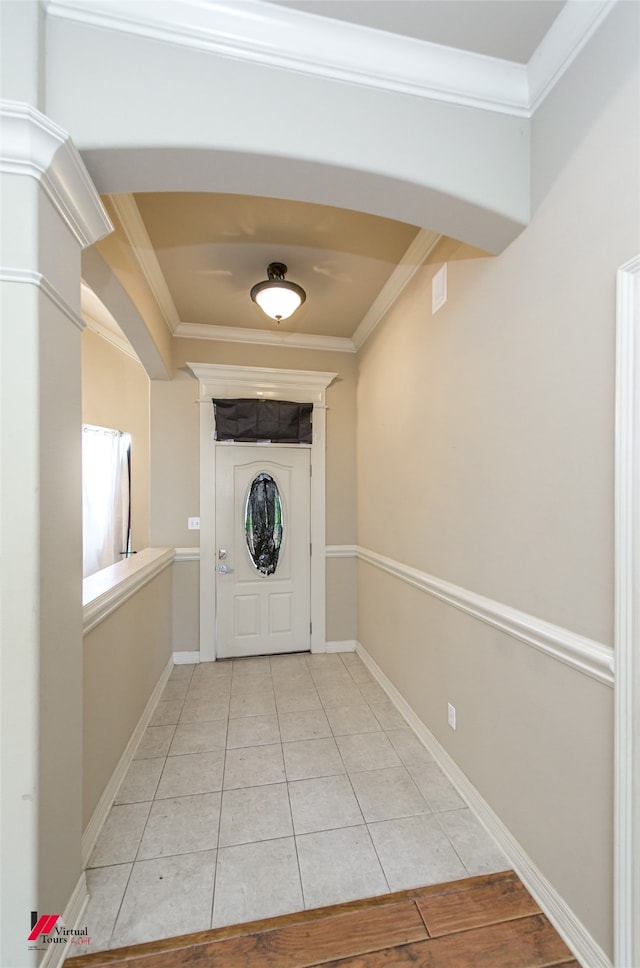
<point x="272" y="785"/>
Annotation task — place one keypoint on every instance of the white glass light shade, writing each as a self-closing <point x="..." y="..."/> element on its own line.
<point x="276" y="297"/>
<point x="277" y="301"/>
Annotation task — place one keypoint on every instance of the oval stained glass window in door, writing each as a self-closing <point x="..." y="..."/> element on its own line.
<point x="263" y="524"/>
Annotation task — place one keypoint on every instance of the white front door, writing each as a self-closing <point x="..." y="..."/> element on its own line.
<point x="263" y="552"/>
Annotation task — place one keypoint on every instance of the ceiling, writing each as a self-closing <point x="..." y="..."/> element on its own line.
<point x="205" y="251"/>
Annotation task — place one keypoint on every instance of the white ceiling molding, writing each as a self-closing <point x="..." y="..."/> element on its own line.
<point x="32" y="145"/>
<point x="415" y="256"/>
<point x="574" y="25"/>
<point x="134" y="228"/>
<point x="290" y="39"/>
<point x="264" y="337"/>
<point x="99" y="320"/>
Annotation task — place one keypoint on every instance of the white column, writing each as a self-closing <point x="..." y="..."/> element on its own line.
<point x="50" y="211"/>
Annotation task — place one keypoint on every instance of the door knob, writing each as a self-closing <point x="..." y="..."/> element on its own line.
<point x="224" y="570"/>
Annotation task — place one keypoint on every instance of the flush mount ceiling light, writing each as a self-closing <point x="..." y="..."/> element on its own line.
<point x="276" y="297"/>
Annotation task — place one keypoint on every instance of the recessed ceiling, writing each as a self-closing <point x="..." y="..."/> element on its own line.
<point x="212" y="248"/>
<point x="496" y="28"/>
<point x="208" y="250"/>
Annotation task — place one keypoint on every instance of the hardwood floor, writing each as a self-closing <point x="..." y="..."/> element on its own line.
<point x="484" y="922"/>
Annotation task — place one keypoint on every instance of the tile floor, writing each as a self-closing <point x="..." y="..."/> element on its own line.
<point x="269" y="785"/>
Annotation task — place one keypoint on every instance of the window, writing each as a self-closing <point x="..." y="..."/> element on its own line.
<point x="106" y="497"/>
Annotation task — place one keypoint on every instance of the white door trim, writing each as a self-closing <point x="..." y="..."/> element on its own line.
<point x="301" y="386"/>
<point x="627" y="618"/>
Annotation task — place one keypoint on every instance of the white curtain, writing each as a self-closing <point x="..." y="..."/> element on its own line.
<point x="105" y="497"/>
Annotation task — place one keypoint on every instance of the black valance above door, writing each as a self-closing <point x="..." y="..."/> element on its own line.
<point x="250" y="420"/>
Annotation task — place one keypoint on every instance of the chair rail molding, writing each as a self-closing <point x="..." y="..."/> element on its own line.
<point x="627" y="619"/>
<point x="585" y="655"/>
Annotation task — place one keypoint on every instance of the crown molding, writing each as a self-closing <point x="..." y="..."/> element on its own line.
<point x="220" y="378"/>
<point x="282" y="37"/>
<point x="32" y="145"/>
<point x="574" y="26"/>
<point x="236" y="334"/>
<point x="415" y="256"/>
<point x="135" y="230"/>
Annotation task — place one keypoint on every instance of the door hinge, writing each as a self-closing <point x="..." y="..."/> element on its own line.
<point x="310" y="549"/>
<point x="310" y="470"/>
<point x="310" y="627"/>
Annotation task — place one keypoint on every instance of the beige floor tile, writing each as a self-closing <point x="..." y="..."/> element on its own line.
<point x="388" y="794"/>
<point x="199" y="737"/>
<point x="312" y="757"/>
<point x="106" y="887"/>
<point x="253" y="731"/>
<point x="181" y="825"/>
<point x="339" y="865"/>
<point x="121" y="834"/>
<point x="259" y="880"/>
<point x="222" y="667"/>
<point x="166" y="713"/>
<point x="204" y="710"/>
<point x="155" y="741"/>
<point x="253" y="766"/>
<point x="308" y="724"/>
<point x="353" y="718"/>
<point x="388" y="715"/>
<point x="367" y="751"/>
<point x="436" y="788"/>
<point x="175" y="689"/>
<point x="255" y="813"/>
<point x="140" y="781"/>
<point x="474" y="845"/>
<point x="191" y="773"/>
<point x="252" y="704"/>
<point x="415" y="851"/>
<point x="408" y="747"/>
<point x="323" y="803"/>
<point x="165" y="897"/>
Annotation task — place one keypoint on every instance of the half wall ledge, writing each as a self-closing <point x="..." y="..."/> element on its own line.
<point x="109" y="588"/>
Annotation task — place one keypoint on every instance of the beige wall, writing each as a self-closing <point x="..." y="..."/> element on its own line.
<point x="175" y="463"/>
<point x="485" y="458"/>
<point x="115" y="393"/>
<point x="123" y="659"/>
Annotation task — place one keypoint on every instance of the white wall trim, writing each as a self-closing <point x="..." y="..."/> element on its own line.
<point x="186" y="658"/>
<point x="341" y="551"/>
<point x="627" y="612"/>
<point x="266" y="337"/>
<point x="348" y="645"/>
<point x="187" y="554"/>
<point x="585" y="655"/>
<point x="574" y="26"/>
<point x="293" y="40"/>
<point x="99" y="320"/>
<point x="415" y="256"/>
<point x="557" y="910"/>
<point x="127" y="210"/>
<point x="110" y="588"/>
<point x="32" y="145"/>
<point x="72" y="917"/>
<point x="105" y="802"/>
<point x="303" y="386"/>
<point x="33" y="278"/>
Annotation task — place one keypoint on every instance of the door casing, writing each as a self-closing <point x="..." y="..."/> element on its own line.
<point x="301" y="386"/>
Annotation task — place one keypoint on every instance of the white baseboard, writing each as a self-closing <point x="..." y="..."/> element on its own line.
<point x="569" y="927"/>
<point x="186" y="658"/>
<point x="71" y="918"/>
<point x="105" y="802"/>
<point x="348" y="646"/>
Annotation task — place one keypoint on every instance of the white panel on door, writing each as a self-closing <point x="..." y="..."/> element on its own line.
<point x="263" y="542"/>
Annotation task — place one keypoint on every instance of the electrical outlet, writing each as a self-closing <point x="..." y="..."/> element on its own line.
<point x="451" y="715"/>
<point x="193" y="524"/>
